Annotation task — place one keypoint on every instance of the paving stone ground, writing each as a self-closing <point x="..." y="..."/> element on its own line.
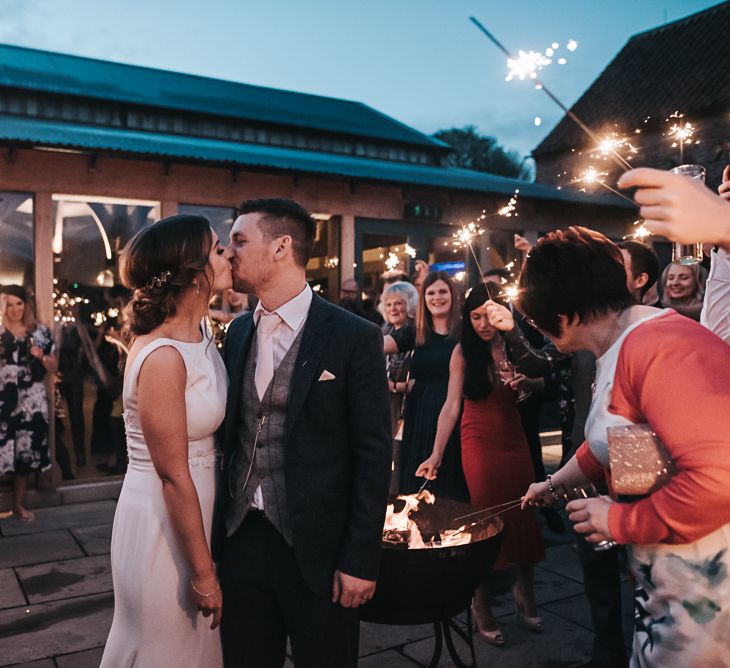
<point x="56" y="602"/>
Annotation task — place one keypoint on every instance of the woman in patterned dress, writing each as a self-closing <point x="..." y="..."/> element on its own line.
<point x="26" y="356"/>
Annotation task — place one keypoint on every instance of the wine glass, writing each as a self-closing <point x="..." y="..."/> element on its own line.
<point x="507" y="374"/>
<point x="589" y="491"/>
<point x="506" y="371"/>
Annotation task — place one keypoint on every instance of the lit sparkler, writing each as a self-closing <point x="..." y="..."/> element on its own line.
<point x="467" y="233"/>
<point x="681" y="132"/>
<point x="526" y="65"/>
<point x="509" y="209"/>
<point x="391" y="264"/>
<point x="592" y="176"/>
<point x="541" y="86"/>
<point x="612" y="143"/>
<point x="511" y="292"/>
<point x="641" y="233"/>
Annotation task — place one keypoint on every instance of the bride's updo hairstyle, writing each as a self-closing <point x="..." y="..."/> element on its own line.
<point x="160" y="263"/>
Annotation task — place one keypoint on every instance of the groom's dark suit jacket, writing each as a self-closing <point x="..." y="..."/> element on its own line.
<point x="338" y="443"/>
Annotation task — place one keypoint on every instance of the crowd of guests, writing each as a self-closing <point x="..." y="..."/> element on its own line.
<point x="617" y="345"/>
<point x="467" y="372"/>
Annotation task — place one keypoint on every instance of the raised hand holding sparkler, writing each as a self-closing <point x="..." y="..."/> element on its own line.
<point x="500" y="317"/>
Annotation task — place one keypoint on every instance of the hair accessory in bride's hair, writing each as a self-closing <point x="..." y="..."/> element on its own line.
<point x="156" y="282"/>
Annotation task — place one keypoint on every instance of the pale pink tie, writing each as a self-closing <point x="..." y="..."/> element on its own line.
<point x="268" y="322"/>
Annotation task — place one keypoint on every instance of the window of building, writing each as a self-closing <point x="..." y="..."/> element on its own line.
<point x="383" y="253"/>
<point x="88" y="236"/>
<point x="323" y="267"/>
<point x="16" y="239"/>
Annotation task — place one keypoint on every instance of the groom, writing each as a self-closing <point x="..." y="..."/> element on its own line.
<point x="306" y="455"/>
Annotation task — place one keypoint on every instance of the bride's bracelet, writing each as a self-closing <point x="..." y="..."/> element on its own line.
<point x="549" y="479"/>
<point x="200" y="593"/>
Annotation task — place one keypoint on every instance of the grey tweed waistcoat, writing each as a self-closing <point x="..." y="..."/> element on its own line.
<point x="267" y="417"/>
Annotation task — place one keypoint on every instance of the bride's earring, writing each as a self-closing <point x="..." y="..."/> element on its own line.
<point x="197" y="289"/>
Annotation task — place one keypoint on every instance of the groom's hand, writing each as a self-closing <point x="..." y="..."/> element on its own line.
<point x="350" y="591"/>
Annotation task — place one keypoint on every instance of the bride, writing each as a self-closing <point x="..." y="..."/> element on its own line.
<point x="174" y="396"/>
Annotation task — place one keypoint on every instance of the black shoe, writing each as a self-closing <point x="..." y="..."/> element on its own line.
<point x="68" y="475"/>
<point x="553" y="519"/>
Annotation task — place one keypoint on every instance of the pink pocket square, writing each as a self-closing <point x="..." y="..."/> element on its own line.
<point x="326" y="375"/>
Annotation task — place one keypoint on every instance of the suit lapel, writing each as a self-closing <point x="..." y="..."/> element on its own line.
<point x="236" y="359"/>
<point x="314" y="342"/>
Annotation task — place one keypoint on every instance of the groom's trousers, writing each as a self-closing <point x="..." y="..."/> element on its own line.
<point x="266" y="601"/>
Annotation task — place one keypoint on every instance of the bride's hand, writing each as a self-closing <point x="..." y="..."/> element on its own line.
<point x="207" y="597"/>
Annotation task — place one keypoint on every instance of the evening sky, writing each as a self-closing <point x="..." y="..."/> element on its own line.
<point x="420" y="61"/>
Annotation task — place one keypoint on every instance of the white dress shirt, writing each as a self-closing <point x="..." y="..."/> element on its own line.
<point x="716" y="308"/>
<point x="293" y="315"/>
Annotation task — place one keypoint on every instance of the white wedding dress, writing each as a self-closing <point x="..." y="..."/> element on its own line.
<point x="155" y="623"/>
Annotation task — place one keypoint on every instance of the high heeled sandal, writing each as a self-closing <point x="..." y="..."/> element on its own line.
<point x="494" y="637"/>
<point x="534" y="624"/>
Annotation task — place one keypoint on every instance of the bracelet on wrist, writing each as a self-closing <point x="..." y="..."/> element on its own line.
<point x="549" y="480"/>
<point x="200" y="593"/>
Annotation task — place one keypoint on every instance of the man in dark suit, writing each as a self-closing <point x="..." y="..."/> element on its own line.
<point x="306" y="455"/>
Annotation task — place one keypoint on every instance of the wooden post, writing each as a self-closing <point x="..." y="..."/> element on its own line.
<point x="43" y="250"/>
<point x="347" y="247"/>
<point x="168" y="209"/>
<point x="43" y="279"/>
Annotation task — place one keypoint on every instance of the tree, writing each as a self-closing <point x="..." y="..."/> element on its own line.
<point x="472" y="150"/>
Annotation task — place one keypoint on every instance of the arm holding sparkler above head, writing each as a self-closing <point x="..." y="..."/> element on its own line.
<point x="679" y="208"/>
<point x="522" y="244"/>
<point x="448" y="417"/>
<point x="529" y="361"/>
<point x="422" y="268"/>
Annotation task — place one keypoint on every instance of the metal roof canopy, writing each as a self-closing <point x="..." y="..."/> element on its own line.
<point x="36" y="133"/>
<point x="57" y="73"/>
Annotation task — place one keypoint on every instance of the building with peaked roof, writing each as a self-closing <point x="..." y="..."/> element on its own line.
<point x="683" y="66"/>
<point x="91" y="151"/>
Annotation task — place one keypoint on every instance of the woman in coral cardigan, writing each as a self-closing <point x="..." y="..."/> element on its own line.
<point x="661" y="369"/>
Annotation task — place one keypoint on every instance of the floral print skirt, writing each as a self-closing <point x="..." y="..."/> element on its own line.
<point x="682" y="610"/>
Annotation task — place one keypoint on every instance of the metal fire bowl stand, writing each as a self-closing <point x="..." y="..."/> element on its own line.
<point x="434" y="585"/>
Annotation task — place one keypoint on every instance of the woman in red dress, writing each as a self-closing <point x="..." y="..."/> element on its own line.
<point x="495" y="456"/>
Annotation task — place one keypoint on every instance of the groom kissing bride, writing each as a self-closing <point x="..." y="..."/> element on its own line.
<point x="295" y="516"/>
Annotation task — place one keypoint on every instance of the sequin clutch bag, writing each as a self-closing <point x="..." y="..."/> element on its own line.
<point x="639" y="462"/>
